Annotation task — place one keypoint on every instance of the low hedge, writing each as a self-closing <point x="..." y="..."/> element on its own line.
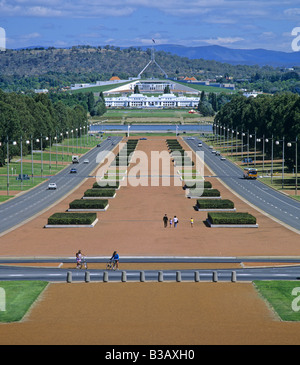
<point x="231" y="218"/>
<point x="204" y="192"/>
<point x="215" y="204"/>
<point x="72" y="218"/>
<point x="99" y="193"/>
<point x="192" y="185"/>
<point x="108" y="185"/>
<point x="211" y="192"/>
<point x="88" y="204"/>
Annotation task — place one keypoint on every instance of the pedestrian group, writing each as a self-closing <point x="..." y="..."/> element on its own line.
<point x="173" y="222"/>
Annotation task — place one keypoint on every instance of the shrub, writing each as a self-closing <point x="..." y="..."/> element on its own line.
<point x="231" y="218"/>
<point x="99" y="193"/>
<point x="88" y="204"/>
<point x="211" y="192"/>
<point x="72" y="218"/>
<point x="192" y="185"/>
<point x="215" y="204"/>
<point x="108" y="185"/>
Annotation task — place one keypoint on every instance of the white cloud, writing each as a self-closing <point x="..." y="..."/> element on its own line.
<point x="223" y="41"/>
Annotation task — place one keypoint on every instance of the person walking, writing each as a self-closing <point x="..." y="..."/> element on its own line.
<point x="175" y="220"/>
<point x="192" y="222"/>
<point x="171" y="222"/>
<point x="165" y="219"/>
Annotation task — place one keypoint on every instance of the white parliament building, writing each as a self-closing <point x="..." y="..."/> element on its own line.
<point x="144" y="101"/>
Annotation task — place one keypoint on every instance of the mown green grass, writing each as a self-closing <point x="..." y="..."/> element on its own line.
<point x="280" y="295"/>
<point x="18" y="298"/>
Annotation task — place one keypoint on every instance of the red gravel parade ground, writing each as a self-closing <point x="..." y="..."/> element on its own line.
<point x="151" y="313"/>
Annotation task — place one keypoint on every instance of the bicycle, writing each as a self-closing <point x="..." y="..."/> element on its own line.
<point x="111" y="265"/>
<point x="82" y="262"/>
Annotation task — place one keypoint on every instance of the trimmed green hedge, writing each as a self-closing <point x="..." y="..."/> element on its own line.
<point x="211" y="192"/>
<point x="72" y="218"/>
<point x="192" y="185"/>
<point x="215" y="204"/>
<point x="204" y="192"/>
<point x="88" y="204"/>
<point x="99" y="193"/>
<point x="108" y="185"/>
<point x="231" y="218"/>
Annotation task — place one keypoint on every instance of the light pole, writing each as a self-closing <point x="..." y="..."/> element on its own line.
<point x="272" y="153"/>
<point x="7" y="152"/>
<point x="296" y="162"/>
<point x="40" y="140"/>
<point x="277" y="143"/>
<point x="72" y="140"/>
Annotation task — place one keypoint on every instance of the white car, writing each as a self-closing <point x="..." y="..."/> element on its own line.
<point x="86" y="161"/>
<point x="52" y="186"/>
<point x="199" y="144"/>
<point x="223" y="158"/>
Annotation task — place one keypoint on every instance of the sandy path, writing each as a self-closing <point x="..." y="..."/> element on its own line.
<point x="151" y="314"/>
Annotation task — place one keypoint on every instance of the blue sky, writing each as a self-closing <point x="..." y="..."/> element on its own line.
<point x="230" y="23"/>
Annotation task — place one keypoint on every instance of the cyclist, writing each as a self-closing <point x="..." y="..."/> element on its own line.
<point x="115" y="258"/>
<point x="80" y="258"/>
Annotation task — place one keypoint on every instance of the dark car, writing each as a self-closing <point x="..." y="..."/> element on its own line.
<point x="24" y="177"/>
<point x="247" y="160"/>
<point x="99" y="145"/>
<point x="73" y="171"/>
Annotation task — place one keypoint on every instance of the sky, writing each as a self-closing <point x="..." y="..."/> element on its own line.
<point x="236" y="24"/>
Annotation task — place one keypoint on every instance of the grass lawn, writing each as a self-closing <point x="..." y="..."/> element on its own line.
<point x="280" y="295"/>
<point x="18" y="298"/>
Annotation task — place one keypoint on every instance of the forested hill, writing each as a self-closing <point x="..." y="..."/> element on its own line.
<point x="108" y="61"/>
<point x="53" y="68"/>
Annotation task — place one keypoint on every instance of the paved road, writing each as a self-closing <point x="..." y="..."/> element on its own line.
<point x="278" y="205"/>
<point x="25" y="206"/>
<point x="195" y="274"/>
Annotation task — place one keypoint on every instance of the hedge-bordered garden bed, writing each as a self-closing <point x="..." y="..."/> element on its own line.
<point x="88" y="205"/>
<point x="58" y="220"/>
<point x="191" y="185"/>
<point x="99" y="193"/>
<point x="214" y="204"/>
<point x="204" y="193"/>
<point x="231" y="220"/>
<point x="106" y="185"/>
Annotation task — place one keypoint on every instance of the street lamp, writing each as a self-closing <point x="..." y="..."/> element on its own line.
<point x="272" y="153"/>
<point x="289" y="144"/>
<point x="41" y="140"/>
<point x="277" y="143"/>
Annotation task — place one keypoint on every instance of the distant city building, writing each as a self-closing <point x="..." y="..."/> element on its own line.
<point x="254" y="94"/>
<point x="143" y="101"/>
<point x="41" y="91"/>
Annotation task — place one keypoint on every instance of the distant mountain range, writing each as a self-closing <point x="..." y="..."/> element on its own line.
<point x="249" y="57"/>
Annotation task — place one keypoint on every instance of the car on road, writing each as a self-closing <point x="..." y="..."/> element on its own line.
<point x="52" y="186"/>
<point x="99" y="145"/>
<point x="213" y="151"/>
<point x="199" y="144"/>
<point x="73" y="171"/>
<point x="86" y="161"/>
<point x="223" y="158"/>
<point x="218" y="153"/>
